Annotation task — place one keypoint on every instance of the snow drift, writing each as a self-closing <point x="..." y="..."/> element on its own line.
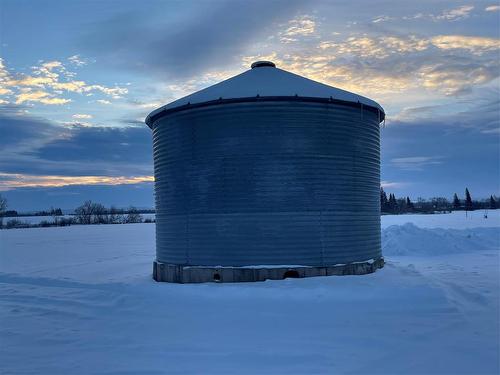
<point x="408" y="239"/>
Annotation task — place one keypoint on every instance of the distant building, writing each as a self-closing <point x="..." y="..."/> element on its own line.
<point x="266" y="175"/>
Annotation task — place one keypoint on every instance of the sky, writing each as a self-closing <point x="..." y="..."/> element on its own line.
<point x="77" y="79"/>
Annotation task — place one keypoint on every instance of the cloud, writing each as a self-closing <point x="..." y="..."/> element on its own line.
<point x="491" y="131"/>
<point x="458" y="77"/>
<point x="298" y="27"/>
<point x="54" y="101"/>
<point x="416" y="163"/>
<point x="47" y="82"/>
<point x="186" y="87"/>
<point x="81" y="116"/>
<point x="39" y="96"/>
<point x="77" y="60"/>
<point x="479" y="113"/>
<point x="492" y="8"/>
<point x="439" y="150"/>
<point x="36" y="146"/>
<point x="212" y="35"/>
<point x="452" y="65"/>
<point x="384" y="46"/>
<point x="371" y="64"/>
<point x="4" y="78"/>
<point x="75" y="124"/>
<point x="103" y="101"/>
<point x="23" y="134"/>
<point x="451" y="15"/>
<point x="101" y="144"/>
<point x="149" y="105"/>
<point x="380" y="48"/>
<point x="382" y="19"/>
<point x="456" y="14"/>
<point x="114" y="92"/>
<point x="10" y="181"/>
<point x="392" y="184"/>
<point x="476" y="45"/>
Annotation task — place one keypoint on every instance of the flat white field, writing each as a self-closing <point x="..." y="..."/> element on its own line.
<point x="80" y="300"/>
<point x="454" y="220"/>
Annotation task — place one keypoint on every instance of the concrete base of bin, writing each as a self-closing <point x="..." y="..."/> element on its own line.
<point x="173" y="273"/>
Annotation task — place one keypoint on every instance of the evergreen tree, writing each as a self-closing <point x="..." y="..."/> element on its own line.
<point x="393" y="204"/>
<point x="383" y="200"/>
<point x="493" y="202"/>
<point x="456" y="202"/>
<point x="468" y="200"/>
<point x="409" y="204"/>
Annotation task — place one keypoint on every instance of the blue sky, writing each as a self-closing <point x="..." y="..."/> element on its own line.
<point x="78" y="78"/>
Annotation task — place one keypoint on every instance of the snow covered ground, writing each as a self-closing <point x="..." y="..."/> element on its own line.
<point x="454" y="220"/>
<point x="80" y="300"/>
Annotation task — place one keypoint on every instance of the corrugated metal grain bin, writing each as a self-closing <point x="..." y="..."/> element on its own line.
<point x="266" y="175"/>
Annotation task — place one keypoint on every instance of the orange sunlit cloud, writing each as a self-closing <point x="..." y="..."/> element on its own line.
<point x="10" y="181"/>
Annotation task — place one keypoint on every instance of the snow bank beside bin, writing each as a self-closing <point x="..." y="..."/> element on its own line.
<point x="408" y="239"/>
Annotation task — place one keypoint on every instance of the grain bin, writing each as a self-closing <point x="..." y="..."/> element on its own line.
<point x="266" y="175"/>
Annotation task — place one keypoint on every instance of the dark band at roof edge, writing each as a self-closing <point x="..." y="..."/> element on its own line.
<point x="151" y="119"/>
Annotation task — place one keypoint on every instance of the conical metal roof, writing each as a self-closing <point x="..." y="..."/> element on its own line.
<point x="264" y="80"/>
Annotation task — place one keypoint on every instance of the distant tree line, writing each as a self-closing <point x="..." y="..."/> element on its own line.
<point x="389" y="204"/>
<point x="88" y="213"/>
<point x="58" y="212"/>
<point x="96" y="213"/>
<point x="51" y="212"/>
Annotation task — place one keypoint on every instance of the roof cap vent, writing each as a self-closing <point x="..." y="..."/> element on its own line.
<point x="259" y="64"/>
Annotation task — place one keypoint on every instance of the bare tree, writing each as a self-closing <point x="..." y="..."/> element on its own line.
<point x="100" y="214"/>
<point x="133" y="216"/>
<point x="55" y="213"/>
<point x="115" y="215"/>
<point x="85" y="213"/>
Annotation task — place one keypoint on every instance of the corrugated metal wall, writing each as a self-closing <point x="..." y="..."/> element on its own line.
<point x="263" y="183"/>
